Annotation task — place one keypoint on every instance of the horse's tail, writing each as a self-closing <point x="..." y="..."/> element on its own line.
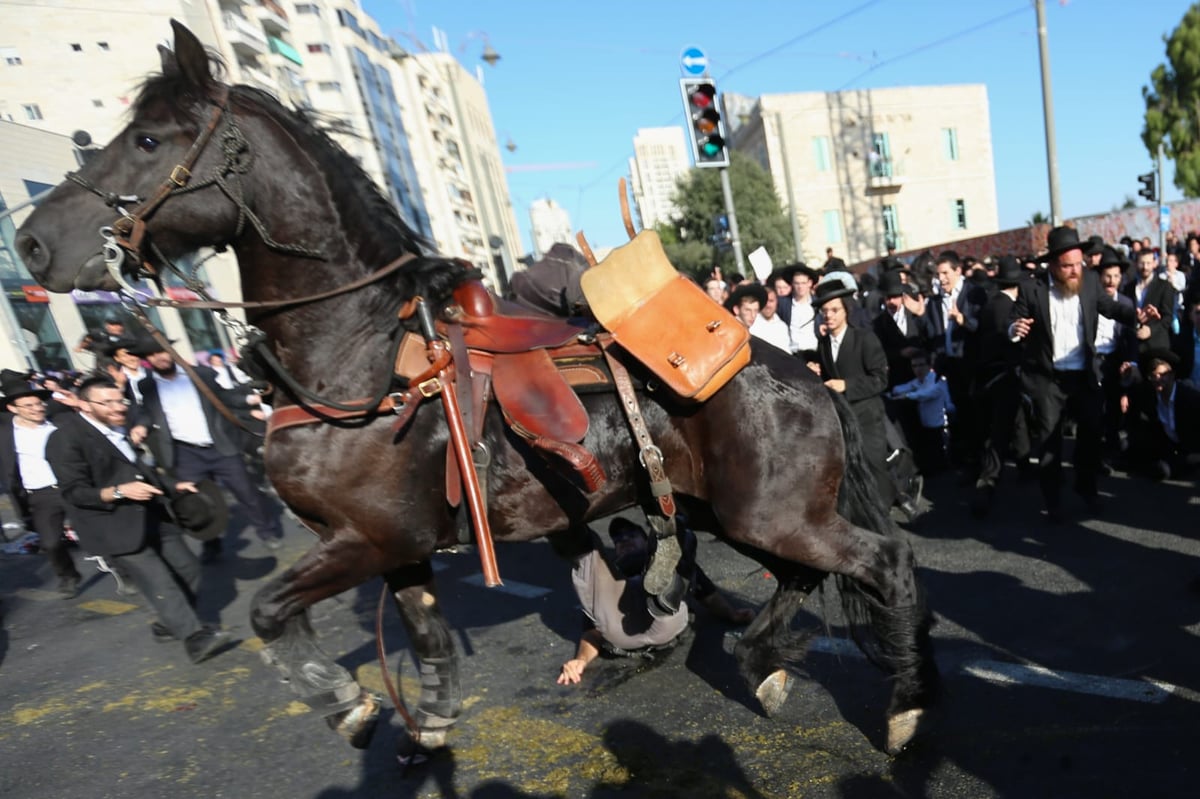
<point x="886" y="634"/>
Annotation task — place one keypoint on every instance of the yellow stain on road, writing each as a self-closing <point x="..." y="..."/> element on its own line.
<point x="368" y="676"/>
<point x="37" y="595"/>
<point x="108" y="607"/>
<point x="252" y="644"/>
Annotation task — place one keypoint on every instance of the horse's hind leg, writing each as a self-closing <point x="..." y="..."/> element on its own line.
<point x="437" y="659"/>
<point x="279" y="615"/>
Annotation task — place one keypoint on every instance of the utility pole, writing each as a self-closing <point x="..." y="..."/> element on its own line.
<point x="1048" y="115"/>
<point x="736" y="239"/>
<point x="1162" y="229"/>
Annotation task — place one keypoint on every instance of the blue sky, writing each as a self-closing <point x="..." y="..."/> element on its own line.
<point x="576" y="80"/>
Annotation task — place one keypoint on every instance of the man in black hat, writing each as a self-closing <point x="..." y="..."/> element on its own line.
<point x="1057" y="320"/>
<point x="901" y="330"/>
<point x="1167" y="434"/>
<point x="193" y="441"/>
<point x="1116" y="345"/>
<point x="114" y="502"/>
<point x="797" y="311"/>
<point x="851" y="361"/>
<point x="24" y="431"/>
<point x="997" y="389"/>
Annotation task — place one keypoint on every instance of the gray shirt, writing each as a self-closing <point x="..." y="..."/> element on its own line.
<point x="617" y="606"/>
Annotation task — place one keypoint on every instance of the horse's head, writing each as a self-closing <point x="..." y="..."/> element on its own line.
<point x="61" y="242"/>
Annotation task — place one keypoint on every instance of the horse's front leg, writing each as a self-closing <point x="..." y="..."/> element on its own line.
<point x="279" y="615"/>
<point x="441" y="699"/>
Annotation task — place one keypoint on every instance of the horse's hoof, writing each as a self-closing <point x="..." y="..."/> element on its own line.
<point x="357" y="725"/>
<point x="773" y="691"/>
<point x="901" y="729"/>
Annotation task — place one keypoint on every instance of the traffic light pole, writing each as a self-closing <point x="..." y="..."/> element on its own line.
<point x="736" y="239"/>
<point x="1162" y="234"/>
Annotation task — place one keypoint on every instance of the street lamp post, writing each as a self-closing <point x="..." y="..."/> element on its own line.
<point x="1048" y="114"/>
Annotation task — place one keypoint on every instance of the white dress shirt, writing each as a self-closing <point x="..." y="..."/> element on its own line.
<point x="901" y="320"/>
<point x="117" y="437"/>
<point x="773" y="331"/>
<point x="803" y="329"/>
<point x="181" y="405"/>
<point x="30" y="444"/>
<point x="835" y="342"/>
<point x="1066" y="331"/>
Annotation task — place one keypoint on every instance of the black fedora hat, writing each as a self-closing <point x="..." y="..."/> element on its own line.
<point x="1009" y="271"/>
<point x="1063" y="239"/>
<point x="1111" y="256"/>
<point x="892" y="283"/>
<point x="1095" y="244"/>
<point x="147" y="345"/>
<point x="756" y="290"/>
<point x="203" y="514"/>
<point x="14" y="385"/>
<point x="789" y="271"/>
<point x="830" y="290"/>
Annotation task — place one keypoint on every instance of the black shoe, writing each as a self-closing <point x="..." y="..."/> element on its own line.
<point x="1055" y="515"/>
<point x="981" y="502"/>
<point x="68" y="587"/>
<point x="205" y="643"/>
<point x="160" y="632"/>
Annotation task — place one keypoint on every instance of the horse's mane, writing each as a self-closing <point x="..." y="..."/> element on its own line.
<point x="368" y="217"/>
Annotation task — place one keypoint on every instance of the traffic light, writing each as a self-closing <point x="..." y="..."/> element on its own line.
<point x="709" y="147"/>
<point x="1148" y="189"/>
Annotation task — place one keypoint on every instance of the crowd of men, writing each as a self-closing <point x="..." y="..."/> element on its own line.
<point x="135" y="454"/>
<point x="978" y="362"/>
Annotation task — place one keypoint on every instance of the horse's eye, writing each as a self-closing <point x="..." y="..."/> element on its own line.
<point x="147" y="144"/>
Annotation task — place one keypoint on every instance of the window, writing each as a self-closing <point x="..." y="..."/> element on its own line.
<point x="97" y="103"/>
<point x="32" y="111"/>
<point x="103" y="46"/>
<point x="833" y="227"/>
<point x="950" y="143"/>
<point x="11" y="56"/>
<point x="880" y="156"/>
<point x="959" y="214"/>
<point x="308" y="8"/>
<point x="891" y="226"/>
<point x="78" y="48"/>
<point x="329" y="86"/>
<point x="821" y="153"/>
<point x="319" y="47"/>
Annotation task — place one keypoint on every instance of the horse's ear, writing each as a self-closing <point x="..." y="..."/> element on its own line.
<point x="191" y="57"/>
<point x="170" y="67"/>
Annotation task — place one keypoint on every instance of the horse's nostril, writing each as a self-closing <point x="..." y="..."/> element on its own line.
<point x="30" y="248"/>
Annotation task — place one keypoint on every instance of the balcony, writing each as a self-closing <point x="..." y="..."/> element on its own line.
<point x="259" y="79"/>
<point x="884" y="174"/>
<point x="273" y="17"/>
<point x="246" y="37"/>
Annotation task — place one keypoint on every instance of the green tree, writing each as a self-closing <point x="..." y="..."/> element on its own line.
<point x="761" y="219"/>
<point x="1038" y="218"/>
<point x="1173" y="104"/>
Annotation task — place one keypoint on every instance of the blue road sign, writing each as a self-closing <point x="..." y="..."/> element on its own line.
<point x="694" y="61"/>
<point x="1164" y="218"/>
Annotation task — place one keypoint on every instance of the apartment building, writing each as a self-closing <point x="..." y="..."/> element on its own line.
<point x="862" y="170"/>
<point x="660" y="158"/>
<point x="549" y="224"/>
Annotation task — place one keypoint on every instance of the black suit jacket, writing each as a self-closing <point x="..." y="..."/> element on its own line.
<point x="86" y="462"/>
<point x="1033" y="302"/>
<point x="970" y="302"/>
<point x="862" y="363"/>
<point x="920" y="331"/>
<point x="1161" y="294"/>
<point x="10" y="468"/>
<point x="226" y="438"/>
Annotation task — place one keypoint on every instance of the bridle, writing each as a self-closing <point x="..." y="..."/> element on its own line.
<point x="127" y="235"/>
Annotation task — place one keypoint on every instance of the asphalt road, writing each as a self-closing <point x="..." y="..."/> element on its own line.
<point x="1069" y="655"/>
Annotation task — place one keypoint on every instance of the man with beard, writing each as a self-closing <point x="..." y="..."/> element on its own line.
<point x="1057" y="321"/>
<point x="193" y="441"/>
<point x="1150" y="289"/>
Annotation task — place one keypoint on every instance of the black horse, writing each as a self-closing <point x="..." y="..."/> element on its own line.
<point x="771" y="462"/>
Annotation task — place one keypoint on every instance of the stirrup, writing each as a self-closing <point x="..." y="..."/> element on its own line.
<point x="666" y="603"/>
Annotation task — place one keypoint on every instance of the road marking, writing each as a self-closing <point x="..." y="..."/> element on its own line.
<point x="995" y="671"/>
<point x="523" y="590"/>
<point x="1150" y="691"/>
<point x="108" y="607"/>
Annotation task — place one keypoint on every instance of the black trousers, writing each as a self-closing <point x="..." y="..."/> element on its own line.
<point x="167" y="573"/>
<point x="1114" y="420"/>
<point x="46" y="508"/>
<point x="199" y="463"/>
<point x="999" y="402"/>
<point x="1053" y="398"/>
